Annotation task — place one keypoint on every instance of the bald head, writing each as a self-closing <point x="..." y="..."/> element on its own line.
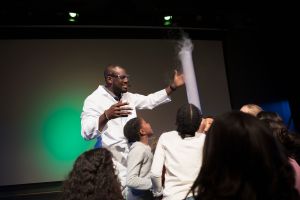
<point x="110" y="69"/>
<point x="251" y="109"/>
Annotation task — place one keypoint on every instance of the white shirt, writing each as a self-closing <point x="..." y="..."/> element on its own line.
<point x="100" y="100"/>
<point x="182" y="159"/>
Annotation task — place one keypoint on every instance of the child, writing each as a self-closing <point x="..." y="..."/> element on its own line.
<point x="139" y="160"/>
<point x="179" y="154"/>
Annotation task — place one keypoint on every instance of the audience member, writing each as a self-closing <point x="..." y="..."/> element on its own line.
<point x="243" y="161"/>
<point x="289" y="141"/>
<point x="251" y="109"/>
<point x="92" y="177"/>
<point x="270" y="115"/>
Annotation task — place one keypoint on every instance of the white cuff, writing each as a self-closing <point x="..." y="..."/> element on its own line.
<point x="157" y="194"/>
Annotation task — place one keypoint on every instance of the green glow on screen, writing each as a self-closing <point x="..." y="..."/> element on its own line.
<point x="53" y="138"/>
<point x="61" y="133"/>
<point x="61" y="130"/>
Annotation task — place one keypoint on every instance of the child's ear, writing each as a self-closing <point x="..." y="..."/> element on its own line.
<point x="142" y="132"/>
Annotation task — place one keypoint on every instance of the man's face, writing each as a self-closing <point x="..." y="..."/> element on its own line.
<point x="120" y="80"/>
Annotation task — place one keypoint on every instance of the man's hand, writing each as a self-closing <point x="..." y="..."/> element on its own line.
<point x="120" y="109"/>
<point x="178" y="79"/>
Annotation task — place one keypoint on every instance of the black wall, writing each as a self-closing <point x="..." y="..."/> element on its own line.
<point x="262" y="62"/>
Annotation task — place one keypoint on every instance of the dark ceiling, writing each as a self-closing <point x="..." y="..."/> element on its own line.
<point x="185" y="13"/>
<point x="139" y="14"/>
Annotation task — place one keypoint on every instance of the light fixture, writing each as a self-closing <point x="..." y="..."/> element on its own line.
<point x="168" y="20"/>
<point x="73" y="16"/>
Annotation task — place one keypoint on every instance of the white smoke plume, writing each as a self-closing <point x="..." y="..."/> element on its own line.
<point x="185" y="57"/>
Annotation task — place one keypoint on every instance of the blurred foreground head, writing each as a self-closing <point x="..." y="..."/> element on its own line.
<point x="242" y="160"/>
<point x="92" y="177"/>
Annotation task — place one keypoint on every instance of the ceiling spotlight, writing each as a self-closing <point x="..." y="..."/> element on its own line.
<point x="73" y="16"/>
<point x="168" y="20"/>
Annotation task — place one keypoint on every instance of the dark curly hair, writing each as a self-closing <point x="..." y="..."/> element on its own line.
<point x="289" y="140"/>
<point x="269" y="115"/>
<point x="188" y="120"/>
<point x="92" y="177"/>
<point x="132" y="130"/>
<point x="242" y="160"/>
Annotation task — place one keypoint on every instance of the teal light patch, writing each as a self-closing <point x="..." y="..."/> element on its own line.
<point x="61" y="131"/>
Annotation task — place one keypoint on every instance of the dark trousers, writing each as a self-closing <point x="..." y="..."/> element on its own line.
<point x="134" y="194"/>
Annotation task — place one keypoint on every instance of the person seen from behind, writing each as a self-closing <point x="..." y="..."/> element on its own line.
<point x="243" y="161"/>
<point x="92" y="177"/>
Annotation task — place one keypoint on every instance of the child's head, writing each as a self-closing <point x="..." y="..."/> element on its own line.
<point x="136" y="128"/>
<point x="188" y="120"/>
